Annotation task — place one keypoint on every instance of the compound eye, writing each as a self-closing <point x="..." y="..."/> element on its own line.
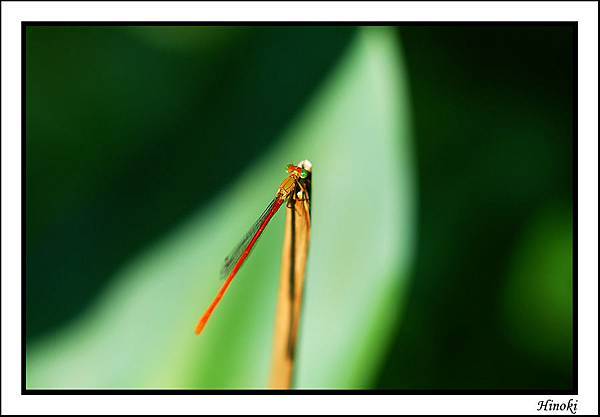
<point x="304" y="174"/>
<point x="289" y="168"/>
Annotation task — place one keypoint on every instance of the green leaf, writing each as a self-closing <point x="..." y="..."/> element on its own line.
<point x="141" y="331"/>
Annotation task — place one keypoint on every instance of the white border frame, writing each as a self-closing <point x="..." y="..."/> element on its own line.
<point x="585" y="13"/>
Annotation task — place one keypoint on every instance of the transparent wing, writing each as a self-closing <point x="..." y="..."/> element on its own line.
<point x="234" y="256"/>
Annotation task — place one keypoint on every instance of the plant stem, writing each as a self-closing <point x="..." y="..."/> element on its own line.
<point x="289" y="306"/>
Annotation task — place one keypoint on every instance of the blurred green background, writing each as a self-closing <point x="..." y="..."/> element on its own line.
<point x="441" y="253"/>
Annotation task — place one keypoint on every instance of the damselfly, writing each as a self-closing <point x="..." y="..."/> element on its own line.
<point x="294" y="186"/>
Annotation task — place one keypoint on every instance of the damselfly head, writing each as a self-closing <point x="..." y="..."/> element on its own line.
<point x="293" y="169"/>
<point x="306" y="165"/>
<point x="302" y="169"/>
